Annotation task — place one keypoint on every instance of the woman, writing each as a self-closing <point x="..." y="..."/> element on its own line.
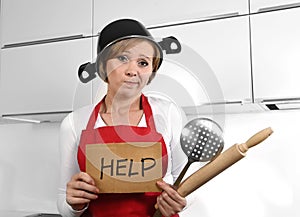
<point x="128" y="59"/>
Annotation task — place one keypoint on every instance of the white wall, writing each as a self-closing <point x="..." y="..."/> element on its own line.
<point x="29" y="167"/>
<point x="265" y="183"/>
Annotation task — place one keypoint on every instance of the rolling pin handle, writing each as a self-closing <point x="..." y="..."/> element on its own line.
<point x="259" y="137"/>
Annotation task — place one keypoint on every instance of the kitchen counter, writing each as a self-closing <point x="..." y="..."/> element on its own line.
<point x="9" y="213"/>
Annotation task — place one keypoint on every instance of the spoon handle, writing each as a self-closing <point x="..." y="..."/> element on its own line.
<point x="183" y="172"/>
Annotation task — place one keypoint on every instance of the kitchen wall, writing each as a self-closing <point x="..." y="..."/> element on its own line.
<point x="265" y="183"/>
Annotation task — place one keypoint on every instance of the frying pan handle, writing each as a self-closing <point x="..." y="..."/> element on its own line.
<point x="168" y="43"/>
<point x="90" y="69"/>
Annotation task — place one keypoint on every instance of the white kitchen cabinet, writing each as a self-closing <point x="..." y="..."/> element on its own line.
<point x="213" y="66"/>
<point x="35" y="20"/>
<point x="269" y="5"/>
<point x="43" y="78"/>
<point x="276" y="54"/>
<point x="99" y="87"/>
<point x="157" y="13"/>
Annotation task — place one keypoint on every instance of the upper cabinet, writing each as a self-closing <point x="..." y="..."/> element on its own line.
<point x="99" y="87"/>
<point x="158" y="13"/>
<point x="35" y="20"/>
<point x="276" y="54"/>
<point x="43" y="78"/>
<point x="270" y="5"/>
<point x="213" y="66"/>
<point x="42" y="45"/>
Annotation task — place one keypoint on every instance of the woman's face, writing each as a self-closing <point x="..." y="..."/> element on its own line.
<point x="128" y="72"/>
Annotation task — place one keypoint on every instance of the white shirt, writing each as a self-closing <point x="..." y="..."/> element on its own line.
<point x="169" y="121"/>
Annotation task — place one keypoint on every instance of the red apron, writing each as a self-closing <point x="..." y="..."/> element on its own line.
<point x="125" y="204"/>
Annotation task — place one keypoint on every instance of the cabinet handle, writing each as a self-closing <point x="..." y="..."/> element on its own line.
<point x="196" y="20"/>
<point x="37" y="118"/>
<point x="279" y="7"/>
<point x="220" y="16"/>
<point x="280" y="103"/>
<point x="276" y="100"/>
<point x="23" y="120"/>
<point x="43" y="41"/>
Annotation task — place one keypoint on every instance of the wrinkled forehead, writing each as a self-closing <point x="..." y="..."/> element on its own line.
<point x="134" y="46"/>
<point x="139" y="52"/>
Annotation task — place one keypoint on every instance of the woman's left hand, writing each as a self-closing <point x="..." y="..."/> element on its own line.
<point x="169" y="202"/>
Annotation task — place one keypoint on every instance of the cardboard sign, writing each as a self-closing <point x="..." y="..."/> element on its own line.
<point x="125" y="167"/>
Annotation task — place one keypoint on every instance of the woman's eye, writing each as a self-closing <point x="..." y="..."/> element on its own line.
<point x="143" y="63"/>
<point x="122" y="58"/>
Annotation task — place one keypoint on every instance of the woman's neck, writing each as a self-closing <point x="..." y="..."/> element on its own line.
<point x="120" y="105"/>
<point x="121" y="110"/>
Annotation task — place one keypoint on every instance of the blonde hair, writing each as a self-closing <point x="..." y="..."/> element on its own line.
<point x="119" y="47"/>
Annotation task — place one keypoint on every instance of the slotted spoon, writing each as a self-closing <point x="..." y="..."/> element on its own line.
<point x="201" y="140"/>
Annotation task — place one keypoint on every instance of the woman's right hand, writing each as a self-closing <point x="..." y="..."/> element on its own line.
<point x="81" y="189"/>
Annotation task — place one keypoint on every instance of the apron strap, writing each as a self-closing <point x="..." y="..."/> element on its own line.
<point x="148" y="112"/>
<point x="93" y="117"/>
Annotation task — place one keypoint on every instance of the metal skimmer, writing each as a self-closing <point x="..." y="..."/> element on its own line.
<point x="201" y="140"/>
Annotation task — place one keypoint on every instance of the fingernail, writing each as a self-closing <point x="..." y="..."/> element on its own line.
<point x="159" y="182"/>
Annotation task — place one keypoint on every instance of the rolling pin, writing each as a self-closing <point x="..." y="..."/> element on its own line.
<point x="220" y="163"/>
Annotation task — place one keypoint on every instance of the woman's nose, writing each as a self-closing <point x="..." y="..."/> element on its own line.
<point x="132" y="69"/>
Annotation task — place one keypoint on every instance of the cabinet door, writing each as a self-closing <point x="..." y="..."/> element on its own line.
<point x="156" y="12"/>
<point x="99" y="87"/>
<point x="269" y="5"/>
<point x="215" y="57"/>
<point x="276" y="54"/>
<point x="33" y="20"/>
<point x="43" y="78"/>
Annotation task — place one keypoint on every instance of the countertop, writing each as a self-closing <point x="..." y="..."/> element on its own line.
<point x="9" y="213"/>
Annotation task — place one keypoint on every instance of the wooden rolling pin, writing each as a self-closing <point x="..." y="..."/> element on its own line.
<point x="220" y="163"/>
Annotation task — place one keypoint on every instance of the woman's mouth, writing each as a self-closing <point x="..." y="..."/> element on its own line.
<point x="131" y="82"/>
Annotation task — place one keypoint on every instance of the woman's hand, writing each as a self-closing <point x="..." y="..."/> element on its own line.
<point x="81" y="190"/>
<point x="169" y="202"/>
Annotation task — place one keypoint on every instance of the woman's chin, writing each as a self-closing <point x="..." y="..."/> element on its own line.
<point x="128" y="92"/>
